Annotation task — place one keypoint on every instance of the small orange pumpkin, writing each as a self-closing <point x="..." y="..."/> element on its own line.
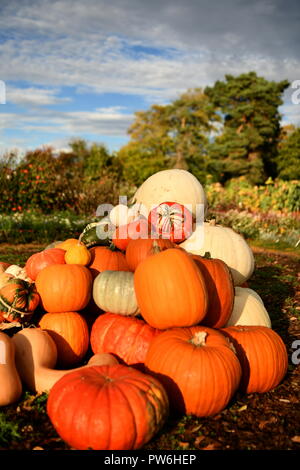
<point x="78" y="253"/>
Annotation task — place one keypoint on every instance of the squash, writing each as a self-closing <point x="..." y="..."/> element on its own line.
<point x="106" y="259"/>
<point x="197" y="367"/>
<point x="18" y="272"/>
<point x="36" y="357"/>
<point x="64" y="287"/>
<point x="18" y="300"/>
<point x="3" y="266"/>
<point x="70" y="332"/>
<point x="171" y="185"/>
<point x="262" y="355"/>
<point x="113" y="291"/>
<point x="225" y="244"/>
<point x="248" y="309"/>
<point x="107" y="408"/>
<point x="131" y="231"/>
<point x="66" y="244"/>
<point x="38" y="261"/>
<point x="4" y="278"/>
<point x="78" y="253"/>
<point x="98" y="233"/>
<point x="10" y="382"/>
<point x="172" y="221"/>
<point x="170" y="290"/>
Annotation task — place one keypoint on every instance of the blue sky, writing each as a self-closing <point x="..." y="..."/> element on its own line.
<point x="82" y="69"/>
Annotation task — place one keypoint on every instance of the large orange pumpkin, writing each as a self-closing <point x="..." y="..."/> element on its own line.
<point x="127" y="338"/>
<point x="107" y="408"/>
<point x="139" y="249"/>
<point x="69" y="330"/>
<point x="104" y="258"/>
<point x="42" y="259"/>
<point x="64" y="287"/>
<point x="170" y="290"/>
<point x="197" y="367"/>
<point x="220" y="289"/>
<point x="262" y="354"/>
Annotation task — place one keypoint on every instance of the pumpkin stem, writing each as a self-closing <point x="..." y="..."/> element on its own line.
<point x="207" y="255"/>
<point x="199" y="338"/>
<point x="155" y="248"/>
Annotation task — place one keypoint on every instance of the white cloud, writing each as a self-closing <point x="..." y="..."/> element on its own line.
<point x="33" y="96"/>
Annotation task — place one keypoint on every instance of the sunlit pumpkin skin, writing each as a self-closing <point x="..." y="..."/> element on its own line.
<point x="197" y="367"/>
<point x="248" y="309"/>
<point x="262" y="354"/>
<point x="11" y="386"/>
<point x="131" y="231"/>
<point x="138" y="250"/>
<point x="18" y="300"/>
<point x="69" y="330"/>
<point x="220" y="290"/>
<point x="170" y="290"/>
<point x="172" y="221"/>
<point x="66" y="244"/>
<point x="38" y="261"/>
<point x="64" y="287"/>
<point x="106" y="259"/>
<point x="127" y="338"/>
<point x="78" y="254"/>
<point x="107" y="408"/>
<point x="3" y="266"/>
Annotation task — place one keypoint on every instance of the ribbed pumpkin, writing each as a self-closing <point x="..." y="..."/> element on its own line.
<point x="107" y="408"/>
<point x="225" y="244"/>
<point x="262" y="354"/>
<point x="127" y="338"/>
<point x="170" y="290"/>
<point x="113" y="291"/>
<point x="106" y="259"/>
<point x="248" y="309"/>
<point x="197" y="367"/>
<point x="41" y="260"/>
<point x="64" y="287"/>
<point x="132" y="231"/>
<point x="70" y="333"/>
<point x="18" y="300"/>
<point x="138" y="250"/>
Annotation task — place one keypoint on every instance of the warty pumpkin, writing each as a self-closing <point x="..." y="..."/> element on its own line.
<point x="262" y="354"/>
<point x="107" y="408"/>
<point x="69" y="330"/>
<point x="10" y="382"/>
<point x="64" y="287"/>
<point x="113" y="291"/>
<point x="170" y="290"/>
<point x="197" y="367"/>
<point x="36" y="357"/>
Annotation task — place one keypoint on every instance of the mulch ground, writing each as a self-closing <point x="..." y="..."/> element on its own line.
<point x="269" y="421"/>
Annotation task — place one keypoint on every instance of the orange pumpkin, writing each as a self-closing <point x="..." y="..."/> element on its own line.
<point x="197" y="367"/>
<point x="38" y="261"/>
<point x="104" y="258"/>
<point x="64" y="287"/>
<point x="139" y="249"/>
<point x="262" y="354"/>
<point x="78" y="253"/>
<point x="220" y="289"/>
<point x="69" y="330"/>
<point x="170" y="290"/>
<point x="66" y="244"/>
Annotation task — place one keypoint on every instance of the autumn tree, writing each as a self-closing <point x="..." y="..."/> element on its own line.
<point x="248" y="105"/>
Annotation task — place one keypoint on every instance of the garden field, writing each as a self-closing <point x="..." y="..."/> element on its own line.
<point x="268" y="421"/>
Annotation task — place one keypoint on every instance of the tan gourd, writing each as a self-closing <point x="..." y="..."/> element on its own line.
<point x="10" y="382"/>
<point x="36" y="356"/>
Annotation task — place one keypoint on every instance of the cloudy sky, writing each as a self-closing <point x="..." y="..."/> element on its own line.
<point x="82" y="68"/>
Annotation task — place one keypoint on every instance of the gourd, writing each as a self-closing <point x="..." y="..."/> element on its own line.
<point x="106" y="259"/>
<point x="18" y="300"/>
<point x="262" y="355"/>
<point x="138" y="250"/>
<point x="122" y="408"/>
<point x="248" y="309"/>
<point x="172" y="221"/>
<point x="127" y="338"/>
<point x="197" y="367"/>
<point x="113" y="291"/>
<point x="64" y="287"/>
<point x="220" y="290"/>
<point x="78" y="253"/>
<point x="10" y="382"/>
<point x="38" y="261"/>
<point x="70" y="332"/>
<point x="36" y="357"/>
<point x="98" y="233"/>
<point x="3" y="266"/>
<point x="170" y="290"/>
<point x="18" y="272"/>
<point x="225" y="244"/>
<point x="171" y="185"/>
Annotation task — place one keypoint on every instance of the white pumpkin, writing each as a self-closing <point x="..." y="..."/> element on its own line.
<point x="225" y="244"/>
<point x="248" y="309"/>
<point x="173" y="185"/>
<point x="113" y="291"/>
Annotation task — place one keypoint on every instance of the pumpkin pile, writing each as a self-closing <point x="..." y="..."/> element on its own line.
<point x="137" y="319"/>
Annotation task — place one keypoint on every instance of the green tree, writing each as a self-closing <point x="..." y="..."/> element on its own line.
<point x="288" y="159"/>
<point x="175" y="135"/>
<point x="248" y="105"/>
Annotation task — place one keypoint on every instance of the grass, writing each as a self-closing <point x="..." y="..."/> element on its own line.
<point x="250" y="422"/>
